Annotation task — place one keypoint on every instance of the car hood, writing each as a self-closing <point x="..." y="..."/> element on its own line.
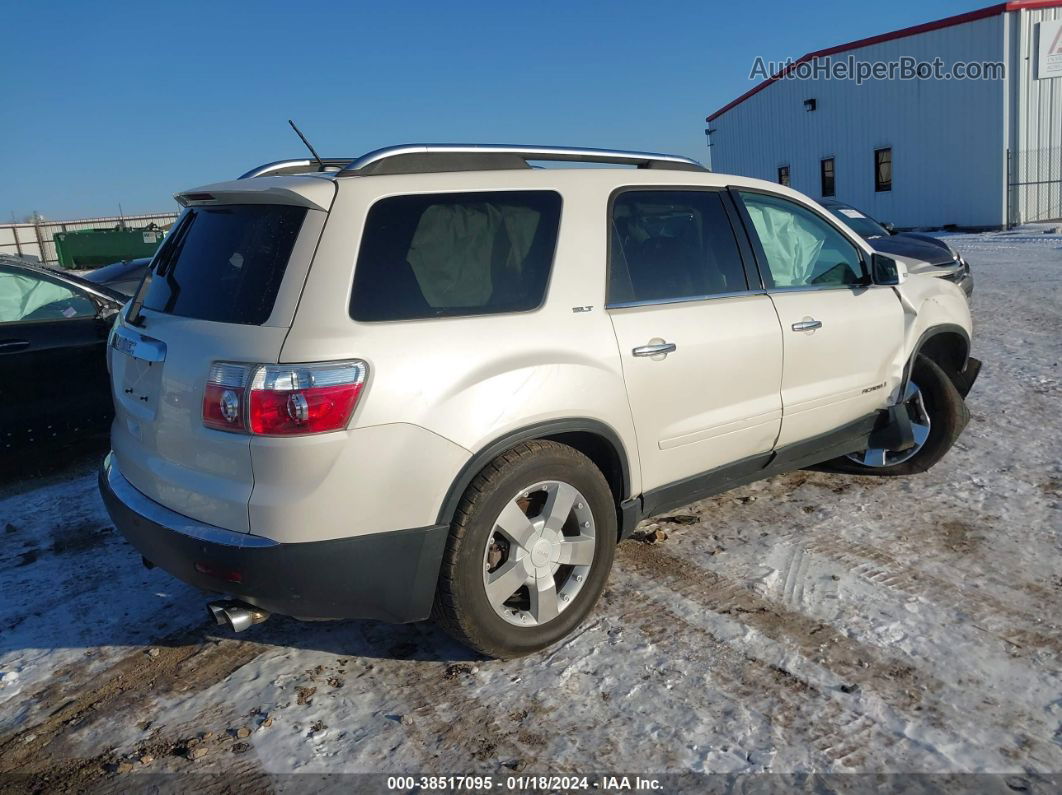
<point x="911" y="248"/>
<point x="100" y="289"/>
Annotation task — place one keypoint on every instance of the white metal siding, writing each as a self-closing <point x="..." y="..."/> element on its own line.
<point x="1036" y="123"/>
<point x="947" y="137"/>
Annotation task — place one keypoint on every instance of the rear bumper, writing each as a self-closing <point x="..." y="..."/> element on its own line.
<point x="389" y="576"/>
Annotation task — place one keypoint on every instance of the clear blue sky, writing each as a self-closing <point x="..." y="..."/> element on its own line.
<point x="111" y="102"/>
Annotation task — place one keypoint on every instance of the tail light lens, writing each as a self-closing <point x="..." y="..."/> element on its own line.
<point x="312" y="398"/>
<point x="282" y="400"/>
<point x="224" y="398"/>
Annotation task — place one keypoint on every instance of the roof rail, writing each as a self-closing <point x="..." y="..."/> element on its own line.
<point x="421" y="158"/>
<point x="424" y="158"/>
<point x="299" y="166"/>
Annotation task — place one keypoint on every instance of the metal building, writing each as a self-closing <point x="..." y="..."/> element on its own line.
<point x="920" y="147"/>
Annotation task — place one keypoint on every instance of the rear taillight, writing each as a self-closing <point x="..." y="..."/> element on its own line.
<point x="224" y="397"/>
<point x="282" y="399"/>
<point x="310" y="398"/>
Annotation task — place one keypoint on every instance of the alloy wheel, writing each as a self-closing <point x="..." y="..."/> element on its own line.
<point x="914" y="404"/>
<point x="539" y="554"/>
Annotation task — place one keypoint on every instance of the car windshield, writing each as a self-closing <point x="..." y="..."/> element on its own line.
<point x="860" y="223"/>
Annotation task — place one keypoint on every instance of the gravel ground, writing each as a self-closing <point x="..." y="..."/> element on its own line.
<point x="808" y="623"/>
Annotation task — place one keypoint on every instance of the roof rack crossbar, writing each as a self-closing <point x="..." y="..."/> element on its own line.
<point x="413" y="158"/>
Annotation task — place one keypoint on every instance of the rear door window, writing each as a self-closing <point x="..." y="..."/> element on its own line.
<point x="672" y="245"/>
<point x="224" y="263"/>
<point x="445" y="255"/>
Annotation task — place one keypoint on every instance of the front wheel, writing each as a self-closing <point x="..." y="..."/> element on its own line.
<point x="529" y="551"/>
<point x="937" y="414"/>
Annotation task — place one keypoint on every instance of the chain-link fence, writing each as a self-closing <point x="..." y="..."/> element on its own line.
<point x="35" y="239"/>
<point x="1034" y="185"/>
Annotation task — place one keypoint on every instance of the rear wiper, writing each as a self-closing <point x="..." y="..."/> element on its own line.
<point x="134" y="316"/>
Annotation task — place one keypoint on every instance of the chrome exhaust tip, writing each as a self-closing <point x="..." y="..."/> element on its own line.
<point x="217" y="612"/>
<point x="238" y="616"/>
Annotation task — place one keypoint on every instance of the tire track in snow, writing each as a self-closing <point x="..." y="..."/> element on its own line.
<point x="796" y="710"/>
<point x="400" y="714"/>
<point x="914" y="694"/>
<point x="855" y="662"/>
<point x="450" y="715"/>
<point x="794" y="577"/>
<point x="866" y="604"/>
<point x="882" y="569"/>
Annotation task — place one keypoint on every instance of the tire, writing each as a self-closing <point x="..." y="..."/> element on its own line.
<point x="947" y="415"/>
<point x="482" y="559"/>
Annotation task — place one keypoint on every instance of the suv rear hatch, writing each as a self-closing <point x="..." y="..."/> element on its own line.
<point x="222" y="288"/>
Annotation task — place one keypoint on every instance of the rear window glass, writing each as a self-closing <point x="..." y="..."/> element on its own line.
<point x="443" y="255"/>
<point x="224" y="263"/>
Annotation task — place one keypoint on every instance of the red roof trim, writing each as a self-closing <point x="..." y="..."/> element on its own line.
<point x="947" y="22"/>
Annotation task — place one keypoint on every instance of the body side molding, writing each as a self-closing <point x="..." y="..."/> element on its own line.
<point x="846" y="439"/>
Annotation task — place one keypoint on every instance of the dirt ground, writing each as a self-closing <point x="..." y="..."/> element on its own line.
<point x="808" y="623"/>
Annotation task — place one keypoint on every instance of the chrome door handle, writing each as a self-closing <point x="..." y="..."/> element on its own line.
<point x="655" y="350"/>
<point x="807" y="325"/>
<point x="10" y="346"/>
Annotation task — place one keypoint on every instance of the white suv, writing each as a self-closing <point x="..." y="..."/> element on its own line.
<point x="436" y="381"/>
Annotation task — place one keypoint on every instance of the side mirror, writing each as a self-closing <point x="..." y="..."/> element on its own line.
<point x="886" y="270"/>
<point x="889" y="228"/>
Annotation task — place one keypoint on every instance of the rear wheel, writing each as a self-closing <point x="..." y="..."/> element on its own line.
<point x="529" y="551"/>
<point x="937" y="414"/>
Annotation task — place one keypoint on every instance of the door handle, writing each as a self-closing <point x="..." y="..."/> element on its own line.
<point x="807" y="325"/>
<point x="10" y="346"/>
<point x="656" y="349"/>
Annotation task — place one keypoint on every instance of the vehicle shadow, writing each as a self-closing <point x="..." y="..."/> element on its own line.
<point x="27" y="468"/>
<point x="88" y="589"/>
<point x="421" y="641"/>
<point x="81" y="586"/>
<point x="70" y="581"/>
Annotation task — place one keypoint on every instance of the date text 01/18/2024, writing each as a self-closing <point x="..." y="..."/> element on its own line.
<point x="522" y="783"/>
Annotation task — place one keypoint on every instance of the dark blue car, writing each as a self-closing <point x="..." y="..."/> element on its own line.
<point x="914" y="245"/>
<point x="124" y="276"/>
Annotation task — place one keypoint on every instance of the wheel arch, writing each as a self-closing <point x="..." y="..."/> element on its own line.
<point x="948" y="345"/>
<point x="596" y="440"/>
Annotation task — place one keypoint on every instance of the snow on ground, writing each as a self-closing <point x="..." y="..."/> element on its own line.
<point x="810" y="622"/>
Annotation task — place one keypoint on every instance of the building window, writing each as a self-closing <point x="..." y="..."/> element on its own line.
<point x="827" y="176"/>
<point x="883" y="169"/>
<point x="783" y="175"/>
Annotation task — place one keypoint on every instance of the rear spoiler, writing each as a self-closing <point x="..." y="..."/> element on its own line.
<point x="312" y="192"/>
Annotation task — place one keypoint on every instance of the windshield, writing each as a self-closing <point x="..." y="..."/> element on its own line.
<point x="860" y="223"/>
